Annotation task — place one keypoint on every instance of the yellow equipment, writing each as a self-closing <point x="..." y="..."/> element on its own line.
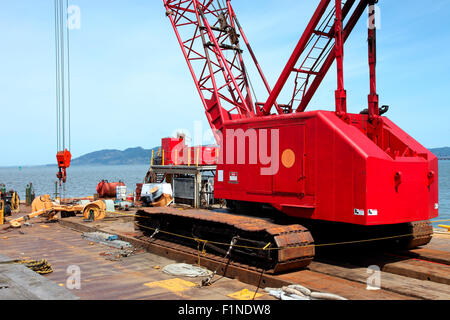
<point x="164" y="201"/>
<point x="15" y="202"/>
<point x="44" y="205"/>
<point x="10" y="202"/>
<point x="95" y="211"/>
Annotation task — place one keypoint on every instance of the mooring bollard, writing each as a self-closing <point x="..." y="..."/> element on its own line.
<point x="29" y="194"/>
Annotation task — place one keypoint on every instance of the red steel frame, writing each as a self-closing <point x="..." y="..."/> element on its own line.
<point x="323" y="70"/>
<point x="341" y="167"/>
<point x="327" y="56"/>
<point x="374" y="111"/>
<point x="204" y="30"/>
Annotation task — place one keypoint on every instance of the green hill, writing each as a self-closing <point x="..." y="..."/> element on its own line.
<point x="441" y="152"/>
<point x="129" y="156"/>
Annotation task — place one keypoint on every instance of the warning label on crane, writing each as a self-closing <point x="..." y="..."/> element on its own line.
<point x="233" y="177"/>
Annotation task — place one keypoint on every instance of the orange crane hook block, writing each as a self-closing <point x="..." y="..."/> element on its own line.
<point x="63" y="158"/>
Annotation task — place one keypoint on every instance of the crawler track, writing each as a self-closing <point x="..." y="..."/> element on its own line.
<point x="286" y="247"/>
<point x="422" y="233"/>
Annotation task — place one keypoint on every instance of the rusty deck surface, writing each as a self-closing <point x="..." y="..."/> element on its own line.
<point x="136" y="277"/>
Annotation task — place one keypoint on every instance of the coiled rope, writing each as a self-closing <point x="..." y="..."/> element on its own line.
<point x="41" y="267"/>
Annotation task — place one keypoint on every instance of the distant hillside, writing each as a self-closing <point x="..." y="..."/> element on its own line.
<point x="441" y="152"/>
<point x="130" y="156"/>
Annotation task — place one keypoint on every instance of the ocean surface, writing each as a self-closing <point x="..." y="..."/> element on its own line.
<point x="83" y="180"/>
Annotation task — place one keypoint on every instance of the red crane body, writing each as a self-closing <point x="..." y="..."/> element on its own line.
<point x="330" y="170"/>
<point x="334" y="166"/>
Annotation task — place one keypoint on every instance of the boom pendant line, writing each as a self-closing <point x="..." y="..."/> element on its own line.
<point x="63" y="100"/>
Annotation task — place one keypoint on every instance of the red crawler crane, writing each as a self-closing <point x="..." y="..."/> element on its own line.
<point x="356" y="169"/>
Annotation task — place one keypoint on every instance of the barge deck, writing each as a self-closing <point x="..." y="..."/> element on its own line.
<point x="416" y="274"/>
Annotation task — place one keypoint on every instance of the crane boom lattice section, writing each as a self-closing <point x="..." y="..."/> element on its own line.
<point x="211" y="46"/>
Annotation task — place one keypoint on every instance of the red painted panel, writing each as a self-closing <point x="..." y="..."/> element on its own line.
<point x="349" y="177"/>
<point x="290" y="176"/>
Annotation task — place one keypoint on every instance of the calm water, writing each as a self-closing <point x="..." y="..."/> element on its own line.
<point x="444" y="190"/>
<point x="83" y="181"/>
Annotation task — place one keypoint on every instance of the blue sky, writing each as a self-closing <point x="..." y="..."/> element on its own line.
<point x="131" y="86"/>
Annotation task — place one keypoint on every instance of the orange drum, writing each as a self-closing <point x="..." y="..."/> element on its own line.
<point x="107" y="189"/>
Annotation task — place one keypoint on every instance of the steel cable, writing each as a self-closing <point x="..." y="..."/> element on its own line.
<point x="57" y="73"/>
<point x="69" y="100"/>
<point x="268" y="247"/>
<point x="63" y="86"/>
